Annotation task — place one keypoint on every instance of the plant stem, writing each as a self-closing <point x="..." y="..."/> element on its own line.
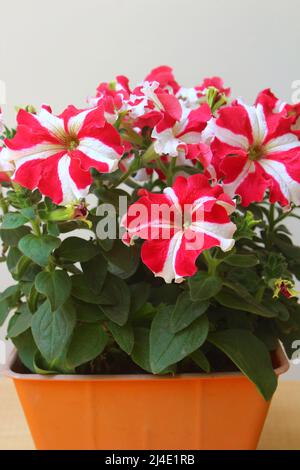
<point x="3" y="204"/>
<point x="150" y="154"/>
<point x="35" y="224"/>
<point x="132" y="136"/>
<point x="271" y="217"/>
<point x="211" y="262"/>
<point x="284" y="216"/>
<point x="124" y="177"/>
<point x="162" y="167"/>
<point x="171" y="170"/>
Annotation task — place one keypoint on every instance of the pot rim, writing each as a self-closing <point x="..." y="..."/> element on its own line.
<point x="278" y="356"/>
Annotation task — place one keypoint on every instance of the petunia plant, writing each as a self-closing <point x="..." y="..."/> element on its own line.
<point x="145" y="233"/>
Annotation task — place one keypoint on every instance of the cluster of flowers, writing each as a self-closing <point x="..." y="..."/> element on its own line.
<point x="241" y="150"/>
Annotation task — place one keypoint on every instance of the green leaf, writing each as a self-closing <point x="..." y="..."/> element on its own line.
<point x="165" y="294"/>
<point x="12" y="237"/>
<point x="13" y="257"/>
<point x="26" y="287"/>
<point x="8" y="300"/>
<point x="245" y="261"/>
<point x="122" y="260"/>
<point x="88" y="342"/>
<point x="55" y="285"/>
<point x="12" y="291"/>
<point x="82" y="291"/>
<point x="203" y="286"/>
<point x="5" y="308"/>
<point x="245" y="302"/>
<point x="88" y="313"/>
<point x="38" y="248"/>
<point x="42" y="367"/>
<point x="13" y="220"/>
<point x="52" y="330"/>
<point x="28" y="213"/>
<point x="279" y="309"/>
<point x="139" y="296"/>
<point x="26" y="348"/>
<point x="168" y="348"/>
<point x="117" y="290"/>
<point x="288" y="249"/>
<point x="250" y="355"/>
<point x="186" y="311"/>
<point x="53" y="229"/>
<point x="144" y="315"/>
<point x="19" y="323"/>
<point x="141" y="350"/>
<point x="77" y="250"/>
<point x="200" y="359"/>
<point x="123" y="335"/>
<point x="33" y="298"/>
<point x="95" y="271"/>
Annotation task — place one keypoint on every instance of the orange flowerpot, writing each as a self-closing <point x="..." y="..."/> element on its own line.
<point x="187" y="412"/>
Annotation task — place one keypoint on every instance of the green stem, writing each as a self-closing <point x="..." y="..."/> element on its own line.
<point x="3" y="204"/>
<point x="271" y="217"/>
<point x="35" y="224"/>
<point x="260" y="293"/>
<point x="132" y="136"/>
<point x="270" y="228"/>
<point x="150" y="154"/>
<point x="211" y="262"/>
<point x="284" y="216"/>
<point x="162" y="167"/>
<point x="171" y="171"/>
<point x="124" y="177"/>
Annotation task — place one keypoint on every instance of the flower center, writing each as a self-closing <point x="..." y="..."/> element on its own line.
<point x="186" y="225"/>
<point x="70" y="141"/>
<point x="256" y="152"/>
<point x="72" y="144"/>
<point x="187" y="221"/>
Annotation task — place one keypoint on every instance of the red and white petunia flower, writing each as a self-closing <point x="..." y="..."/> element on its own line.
<point x="193" y="97"/>
<point x="254" y="150"/>
<point x="292" y="111"/>
<point x="164" y="76"/>
<point x="180" y="224"/>
<point x="113" y="97"/>
<point x="148" y="102"/>
<point x="269" y="101"/>
<point x="213" y="82"/>
<point x="183" y="135"/>
<point x="55" y="153"/>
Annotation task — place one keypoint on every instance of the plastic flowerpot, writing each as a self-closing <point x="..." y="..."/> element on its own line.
<point x="119" y="412"/>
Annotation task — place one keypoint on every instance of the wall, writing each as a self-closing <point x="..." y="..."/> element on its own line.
<point x="57" y="51"/>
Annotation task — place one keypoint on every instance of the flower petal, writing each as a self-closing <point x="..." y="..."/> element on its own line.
<point x="160" y="257"/>
<point x="285" y="189"/>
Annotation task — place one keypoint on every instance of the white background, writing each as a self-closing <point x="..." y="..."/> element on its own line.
<point x="58" y="51"/>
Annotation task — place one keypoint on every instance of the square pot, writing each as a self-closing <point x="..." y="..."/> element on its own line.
<point x="133" y="412"/>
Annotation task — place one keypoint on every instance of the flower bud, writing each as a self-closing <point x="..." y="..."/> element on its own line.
<point x="70" y="212"/>
<point x="284" y="287"/>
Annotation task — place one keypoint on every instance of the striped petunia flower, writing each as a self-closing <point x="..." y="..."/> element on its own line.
<point x="255" y="150"/>
<point x="182" y="134"/>
<point x="179" y="224"/>
<point x="55" y="153"/>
